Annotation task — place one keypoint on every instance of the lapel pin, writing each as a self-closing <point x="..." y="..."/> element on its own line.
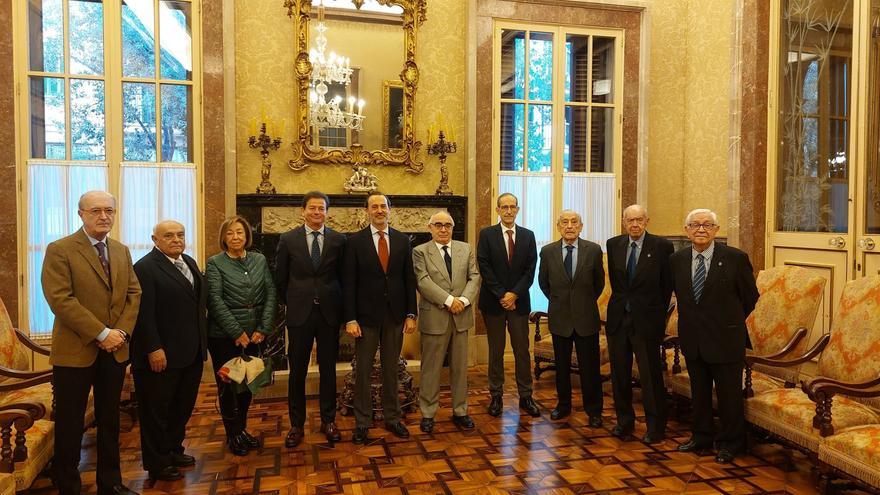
<point x="719" y="263"/>
<point x="649" y="255"/>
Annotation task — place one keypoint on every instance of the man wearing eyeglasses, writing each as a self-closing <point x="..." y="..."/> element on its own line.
<point x="91" y="287"/>
<point x="507" y="255"/>
<point x="447" y="276"/>
<point x="715" y="292"/>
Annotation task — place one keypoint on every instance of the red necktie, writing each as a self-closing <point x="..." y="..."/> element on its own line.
<point x="383" y="251"/>
<point x="510" y="246"/>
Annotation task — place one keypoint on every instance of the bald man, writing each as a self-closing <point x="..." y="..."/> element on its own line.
<point x="168" y="349"/>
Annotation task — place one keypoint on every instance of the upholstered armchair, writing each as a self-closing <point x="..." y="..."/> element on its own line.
<point x="839" y="396"/>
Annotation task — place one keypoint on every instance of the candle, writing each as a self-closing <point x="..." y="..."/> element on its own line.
<point x="350" y="104"/>
<point x="360" y="107"/>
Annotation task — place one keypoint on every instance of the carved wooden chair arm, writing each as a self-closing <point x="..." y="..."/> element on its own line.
<point x="35" y="409"/>
<point x="22" y="420"/>
<point x="795" y="340"/>
<point x="535" y="317"/>
<point x="23" y="379"/>
<point x="817" y="348"/>
<point x="30" y="344"/>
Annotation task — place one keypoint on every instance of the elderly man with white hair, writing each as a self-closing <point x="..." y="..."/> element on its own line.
<point x="715" y="292"/>
<point x="446" y="271"/>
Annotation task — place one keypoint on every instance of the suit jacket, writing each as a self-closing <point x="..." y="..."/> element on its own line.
<point x="649" y="293"/>
<point x="368" y="292"/>
<point x="173" y="312"/>
<point x="436" y="286"/>
<point x="84" y="301"/>
<point x="500" y="277"/>
<point x="572" y="302"/>
<point x="299" y="282"/>
<point x="714" y="329"/>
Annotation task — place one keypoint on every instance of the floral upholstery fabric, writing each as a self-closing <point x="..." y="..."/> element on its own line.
<point x="544" y="349"/>
<point x="853" y="353"/>
<point x="790" y="298"/>
<point x="672" y="322"/>
<point x="40" y="444"/>
<point x="792" y="408"/>
<point x="8" y="340"/>
<point x="605" y="296"/>
<point x="861" y="443"/>
<point x="7" y="484"/>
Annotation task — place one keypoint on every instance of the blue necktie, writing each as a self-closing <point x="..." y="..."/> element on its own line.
<point x="631" y="262"/>
<point x="569" y="269"/>
<point x="316" y="250"/>
<point x="699" y="277"/>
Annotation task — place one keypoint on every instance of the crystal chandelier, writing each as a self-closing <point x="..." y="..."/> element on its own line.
<point x="332" y="69"/>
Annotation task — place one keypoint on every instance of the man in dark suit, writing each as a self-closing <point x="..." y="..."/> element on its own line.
<point x="572" y="278"/>
<point x="715" y="292"/>
<point x="168" y="349"/>
<point x="308" y="272"/>
<point x="507" y="255"/>
<point x="93" y="291"/>
<point x="379" y="288"/>
<point x="641" y="283"/>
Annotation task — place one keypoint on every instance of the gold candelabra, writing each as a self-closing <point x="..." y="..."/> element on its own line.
<point x="441" y="148"/>
<point x="265" y="144"/>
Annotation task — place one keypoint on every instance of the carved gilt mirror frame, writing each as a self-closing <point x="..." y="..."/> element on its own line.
<point x="304" y="152"/>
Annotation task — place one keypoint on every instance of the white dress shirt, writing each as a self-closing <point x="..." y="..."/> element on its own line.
<point x="310" y="238"/>
<point x="504" y="231"/>
<point x="375" y="233"/>
<point x="707" y="259"/>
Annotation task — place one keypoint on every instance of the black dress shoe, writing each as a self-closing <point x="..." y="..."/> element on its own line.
<point x="238" y="445"/>
<point x="528" y="405"/>
<point x="559" y="413"/>
<point x="621" y="432"/>
<point x="724" y="456"/>
<point x="330" y="430"/>
<point x="169" y="473"/>
<point x="427" y="425"/>
<point x="693" y="446"/>
<point x="182" y="460"/>
<point x="495" y="406"/>
<point x="464" y="421"/>
<point x="359" y="437"/>
<point x="651" y="438"/>
<point x="252" y="441"/>
<point x="398" y="429"/>
<point x="294" y="437"/>
<point x="595" y="422"/>
<point x="122" y="490"/>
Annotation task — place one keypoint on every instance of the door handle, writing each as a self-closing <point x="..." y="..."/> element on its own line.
<point x="867" y="244"/>
<point x="837" y="242"/>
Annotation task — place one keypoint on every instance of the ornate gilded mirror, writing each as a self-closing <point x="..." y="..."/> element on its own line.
<point x="356" y="109"/>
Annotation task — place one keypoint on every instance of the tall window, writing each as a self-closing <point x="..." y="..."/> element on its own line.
<point x="109" y="106"/>
<point x="558" y="98"/>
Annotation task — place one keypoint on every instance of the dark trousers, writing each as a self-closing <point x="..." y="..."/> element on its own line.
<point x="388" y="338"/>
<point x="622" y="344"/>
<point x="518" y="327"/>
<point x="233" y="405"/>
<point x="165" y="404"/>
<point x="727" y="378"/>
<point x="71" y="387"/>
<point x="315" y="329"/>
<point x="587" y="349"/>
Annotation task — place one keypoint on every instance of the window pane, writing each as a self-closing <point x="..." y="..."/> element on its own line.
<point x="541" y="66"/>
<point x="512" y="136"/>
<point x="540" y="150"/>
<point x="87" y="119"/>
<point x="602" y="140"/>
<point x="575" y="154"/>
<point x="176" y="119"/>
<point x="577" y="74"/>
<point x="47" y="118"/>
<point x="46" y="35"/>
<point x="175" y="40"/>
<point x="138" y="39"/>
<point x="513" y="64"/>
<point x="53" y="192"/>
<point x="139" y="122"/>
<point x="86" y="37"/>
<point x="603" y="70"/>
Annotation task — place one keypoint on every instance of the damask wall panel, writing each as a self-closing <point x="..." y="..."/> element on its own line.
<point x="8" y="221"/>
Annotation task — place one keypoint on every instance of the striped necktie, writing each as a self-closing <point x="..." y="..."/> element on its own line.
<point x="699" y="277"/>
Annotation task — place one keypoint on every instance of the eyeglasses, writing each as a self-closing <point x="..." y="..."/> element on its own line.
<point x="697" y="226"/>
<point x="441" y="226"/>
<point x="97" y="211"/>
<point x="508" y="207"/>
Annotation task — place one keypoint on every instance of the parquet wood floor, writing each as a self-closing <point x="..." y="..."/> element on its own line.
<point x="514" y="454"/>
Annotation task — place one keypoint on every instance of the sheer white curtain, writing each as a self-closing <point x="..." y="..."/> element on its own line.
<point x="53" y="192"/>
<point x="593" y="197"/>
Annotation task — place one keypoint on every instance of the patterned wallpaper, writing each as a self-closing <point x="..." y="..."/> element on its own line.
<point x="265" y="81"/>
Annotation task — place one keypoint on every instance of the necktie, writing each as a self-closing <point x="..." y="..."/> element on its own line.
<point x="102" y="256"/>
<point x="631" y="262"/>
<point x="383" y="251"/>
<point x="448" y="260"/>
<point x="569" y="268"/>
<point x="699" y="277"/>
<point x="510" y="246"/>
<point x="184" y="270"/>
<point x="316" y="250"/>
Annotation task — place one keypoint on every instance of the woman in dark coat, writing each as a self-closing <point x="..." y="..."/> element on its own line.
<point x="241" y="314"/>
